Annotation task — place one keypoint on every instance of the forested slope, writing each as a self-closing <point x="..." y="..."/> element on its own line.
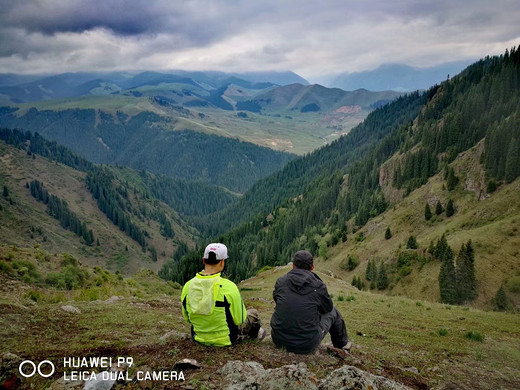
<point x="318" y="200"/>
<point x="100" y="205"/>
<point x="142" y="142"/>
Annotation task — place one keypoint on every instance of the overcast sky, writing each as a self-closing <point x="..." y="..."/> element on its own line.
<point x="310" y="37"/>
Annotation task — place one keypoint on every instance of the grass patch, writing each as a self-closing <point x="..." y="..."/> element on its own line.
<point x="250" y="289"/>
<point x="34" y="295"/>
<point x="263" y="269"/>
<point x="475" y="336"/>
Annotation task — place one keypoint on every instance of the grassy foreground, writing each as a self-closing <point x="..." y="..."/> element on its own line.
<point x="421" y="344"/>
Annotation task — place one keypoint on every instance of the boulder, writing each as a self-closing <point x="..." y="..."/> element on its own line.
<point x="71" y="309"/>
<point x="9" y="376"/>
<point x="238" y="375"/>
<point x="350" y="377"/>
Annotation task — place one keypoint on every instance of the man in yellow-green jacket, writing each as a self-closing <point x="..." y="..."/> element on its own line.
<point x="213" y="305"/>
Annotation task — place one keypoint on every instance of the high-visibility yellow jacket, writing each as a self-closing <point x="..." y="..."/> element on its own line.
<point x="214" y="308"/>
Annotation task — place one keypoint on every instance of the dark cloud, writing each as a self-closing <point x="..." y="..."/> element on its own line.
<point x="50" y="16"/>
<point x="302" y="35"/>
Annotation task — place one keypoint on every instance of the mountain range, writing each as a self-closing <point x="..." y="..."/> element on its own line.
<point x="395" y="77"/>
<point x="194" y="125"/>
<point x="453" y="149"/>
<point x="31" y="88"/>
<point x="412" y="216"/>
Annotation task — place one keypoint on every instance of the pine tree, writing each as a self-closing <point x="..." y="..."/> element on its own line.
<point x="465" y="273"/>
<point x="412" y="243"/>
<point x="431" y="248"/>
<point x="371" y="271"/>
<point x="153" y="252"/>
<point x="452" y="180"/>
<point x="491" y="186"/>
<point x="352" y="263"/>
<point x="388" y="233"/>
<point x="447" y="278"/>
<point x="450" y="208"/>
<point x="512" y="169"/>
<point x="441" y="247"/>
<point x="382" y="278"/>
<point x="500" y="300"/>
<point x="438" y="208"/>
<point x="427" y="212"/>
<point x="368" y="272"/>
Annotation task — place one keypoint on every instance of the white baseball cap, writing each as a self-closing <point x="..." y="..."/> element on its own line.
<point x="220" y="251"/>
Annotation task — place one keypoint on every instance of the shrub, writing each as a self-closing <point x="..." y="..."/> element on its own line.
<point x="175" y="285"/>
<point x="491" y="186"/>
<point x="69" y="278"/>
<point x="6" y="268"/>
<point x="34" y="295"/>
<point x="69" y="260"/>
<point x="405" y="270"/>
<point x="474" y="336"/>
<point x="443" y="332"/>
<point x="513" y="284"/>
<point x="351" y="263"/>
<point x="90" y="294"/>
<point x="26" y="271"/>
<point x="311" y="107"/>
<point x="263" y="269"/>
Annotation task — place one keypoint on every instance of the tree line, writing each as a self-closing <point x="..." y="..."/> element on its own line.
<point x="59" y="209"/>
<point x="113" y="204"/>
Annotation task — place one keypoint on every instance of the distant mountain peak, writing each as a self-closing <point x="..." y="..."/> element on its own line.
<point x="397" y="77"/>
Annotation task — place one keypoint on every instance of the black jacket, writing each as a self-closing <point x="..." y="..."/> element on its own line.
<point x="301" y="297"/>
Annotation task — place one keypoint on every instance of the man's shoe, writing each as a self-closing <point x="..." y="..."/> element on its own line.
<point x="261" y="334"/>
<point x="347" y="346"/>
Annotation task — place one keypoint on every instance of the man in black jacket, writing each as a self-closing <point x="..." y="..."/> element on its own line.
<point x="304" y="312"/>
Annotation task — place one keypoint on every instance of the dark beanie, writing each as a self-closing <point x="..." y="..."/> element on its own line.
<point x="302" y="259"/>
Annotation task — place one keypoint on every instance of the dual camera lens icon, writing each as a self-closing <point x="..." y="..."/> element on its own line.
<point x="45" y="368"/>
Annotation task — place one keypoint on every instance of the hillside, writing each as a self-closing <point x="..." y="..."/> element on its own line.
<point x="107" y="216"/>
<point x="141" y="142"/>
<point x="490" y="221"/>
<point x="417" y="343"/>
<point x="433" y="148"/>
<point x="314" y="98"/>
<point x="25" y="222"/>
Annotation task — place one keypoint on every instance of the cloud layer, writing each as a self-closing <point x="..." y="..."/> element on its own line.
<point x="309" y="37"/>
